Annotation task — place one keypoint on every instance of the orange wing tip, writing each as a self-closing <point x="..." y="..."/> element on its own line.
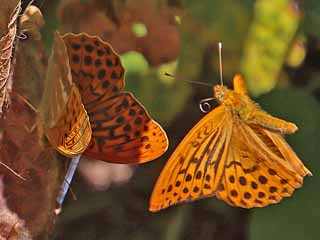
<point x="154" y="209"/>
<point x="157" y="208"/>
<point x="308" y="172"/>
<point x="294" y="127"/>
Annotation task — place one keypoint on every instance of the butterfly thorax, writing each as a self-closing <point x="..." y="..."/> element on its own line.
<point x="240" y="105"/>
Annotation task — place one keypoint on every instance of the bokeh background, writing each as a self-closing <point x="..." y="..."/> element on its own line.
<point x="275" y="44"/>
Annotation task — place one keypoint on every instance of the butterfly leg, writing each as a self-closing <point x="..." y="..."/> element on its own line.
<point x="272" y="123"/>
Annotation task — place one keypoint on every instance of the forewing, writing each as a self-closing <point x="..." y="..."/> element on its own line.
<point x="123" y="132"/>
<point x="261" y="168"/>
<point x="279" y="144"/>
<point x="195" y="168"/>
<point x="95" y="67"/>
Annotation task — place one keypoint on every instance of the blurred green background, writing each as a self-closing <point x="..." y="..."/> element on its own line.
<point x="275" y="44"/>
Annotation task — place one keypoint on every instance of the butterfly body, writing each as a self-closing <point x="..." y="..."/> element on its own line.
<point x="237" y="103"/>
<point x="236" y="152"/>
<point x="240" y="104"/>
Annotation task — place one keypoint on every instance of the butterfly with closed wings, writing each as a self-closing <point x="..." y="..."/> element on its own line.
<point x="122" y="130"/>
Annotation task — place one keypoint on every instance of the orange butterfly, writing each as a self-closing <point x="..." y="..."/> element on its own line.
<point x="236" y="153"/>
<point x="122" y="130"/>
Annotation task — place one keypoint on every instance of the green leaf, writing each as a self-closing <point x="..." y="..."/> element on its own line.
<point x="272" y="30"/>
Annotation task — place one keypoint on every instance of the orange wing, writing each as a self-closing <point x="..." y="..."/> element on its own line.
<point x="122" y="131"/>
<point x="261" y="168"/>
<point x="196" y="167"/>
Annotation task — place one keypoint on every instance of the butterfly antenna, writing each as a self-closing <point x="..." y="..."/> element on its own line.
<point x="31" y="2"/>
<point x="66" y="182"/>
<point x="189" y="81"/>
<point x="220" y="62"/>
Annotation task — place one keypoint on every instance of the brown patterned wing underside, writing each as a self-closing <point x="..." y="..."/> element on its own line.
<point x="7" y="58"/>
<point x="72" y="132"/>
<point x="64" y="118"/>
<point x="96" y="68"/>
<point x="122" y="132"/>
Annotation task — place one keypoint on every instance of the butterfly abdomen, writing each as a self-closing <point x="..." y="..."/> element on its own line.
<point x="251" y="113"/>
<point x="271" y="123"/>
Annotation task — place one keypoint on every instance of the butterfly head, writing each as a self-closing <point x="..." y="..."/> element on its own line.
<point x="220" y="93"/>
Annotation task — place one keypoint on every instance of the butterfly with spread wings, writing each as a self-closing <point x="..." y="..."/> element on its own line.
<point x="236" y="152"/>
